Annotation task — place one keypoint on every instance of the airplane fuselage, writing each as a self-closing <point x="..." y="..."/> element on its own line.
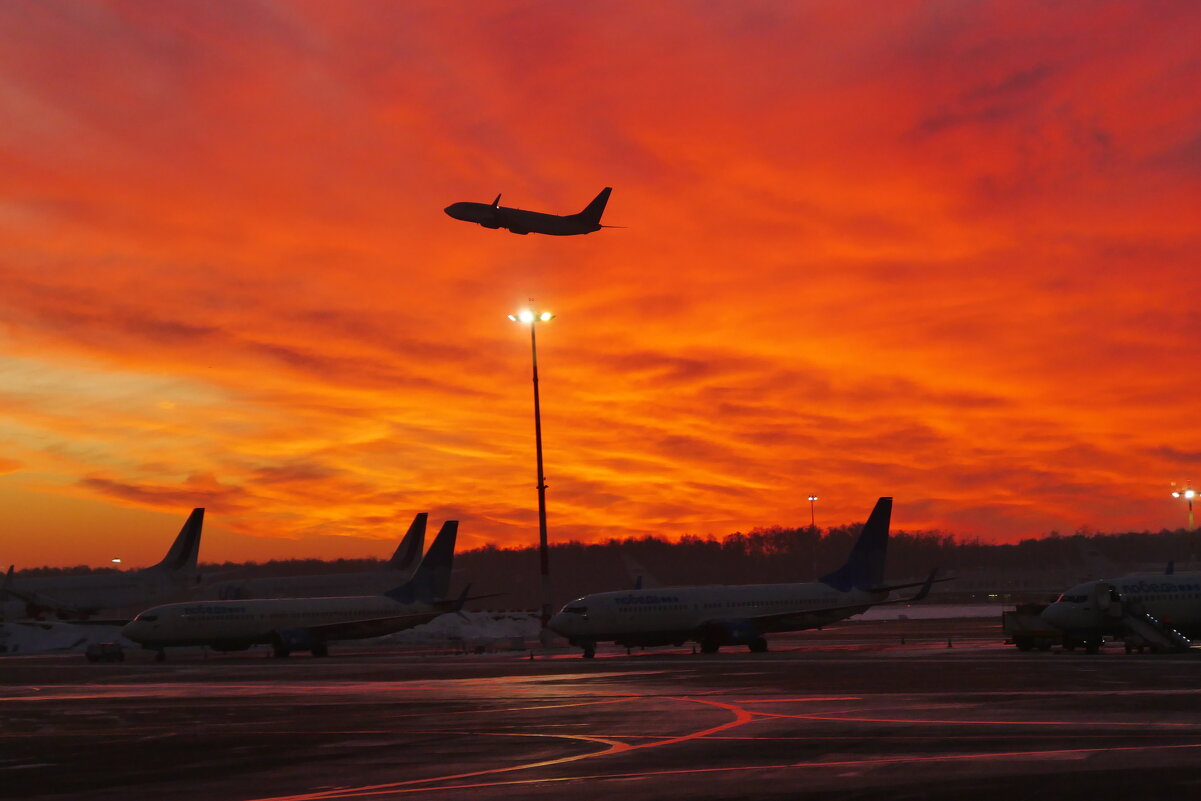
<point x="112" y="595"/>
<point x="1174" y="599"/>
<point x="520" y="221"/>
<point x="722" y="614"/>
<point x="239" y="624"/>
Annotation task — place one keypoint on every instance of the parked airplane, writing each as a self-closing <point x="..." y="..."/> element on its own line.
<point x="1162" y="610"/>
<point x="737" y="614"/>
<point x="83" y="597"/>
<point x="393" y="573"/>
<point x="520" y="221"/>
<point x="289" y="624"/>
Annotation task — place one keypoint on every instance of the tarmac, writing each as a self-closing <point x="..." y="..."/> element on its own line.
<point x="911" y="709"/>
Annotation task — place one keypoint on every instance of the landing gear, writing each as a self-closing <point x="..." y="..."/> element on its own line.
<point x="278" y="649"/>
<point x="321" y="649"/>
<point x="160" y="655"/>
<point x="589" y="650"/>
<point x="709" y="647"/>
<point x="758" y="645"/>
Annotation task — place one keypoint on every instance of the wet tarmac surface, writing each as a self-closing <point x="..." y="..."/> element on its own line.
<point x="851" y="711"/>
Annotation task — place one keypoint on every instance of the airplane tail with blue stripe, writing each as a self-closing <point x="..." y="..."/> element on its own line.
<point x="864" y="568"/>
<point x="182" y="555"/>
<point x="431" y="579"/>
<point x="409" y="551"/>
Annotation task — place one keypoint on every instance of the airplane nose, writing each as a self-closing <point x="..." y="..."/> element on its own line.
<point x="1062" y="616"/>
<point x="556" y="624"/>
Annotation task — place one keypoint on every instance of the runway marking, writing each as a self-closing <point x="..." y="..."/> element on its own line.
<point x="971" y="722"/>
<point x="1067" y="753"/>
<point x="741" y="717"/>
<point x="804" y="700"/>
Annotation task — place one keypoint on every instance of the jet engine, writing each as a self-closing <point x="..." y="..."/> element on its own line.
<point x="285" y="641"/>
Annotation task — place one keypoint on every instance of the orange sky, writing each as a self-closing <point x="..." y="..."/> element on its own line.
<point x="943" y="251"/>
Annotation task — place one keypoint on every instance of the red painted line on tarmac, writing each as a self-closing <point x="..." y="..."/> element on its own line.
<point x="396" y="790"/>
<point x="741" y="716"/>
<point x="968" y="722"/>
<point x="806" y="700"/>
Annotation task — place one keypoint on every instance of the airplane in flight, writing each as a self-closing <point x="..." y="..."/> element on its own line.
<point x="394" y="572"/>
<point x="715" y="616"/>
<point x="122" y="595"/>
<point x="289" y="624"/>
<point x="1160" y="610"/>
<point x="520" y="221"/>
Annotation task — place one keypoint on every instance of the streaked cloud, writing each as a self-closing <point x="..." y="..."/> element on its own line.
<point x="942" y="251"/>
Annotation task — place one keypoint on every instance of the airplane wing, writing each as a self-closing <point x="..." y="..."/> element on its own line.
<point x="931" y="579"/>
<point x="387" y="624"/>
<point x="371" y="627"/>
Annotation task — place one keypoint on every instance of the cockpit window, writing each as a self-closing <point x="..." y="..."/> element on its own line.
<point x="1073" y="599"/>
<point x="576" y="610"/>
<point x="147" y="618"/>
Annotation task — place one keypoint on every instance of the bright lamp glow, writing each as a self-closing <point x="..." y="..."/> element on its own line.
<point x="526" y="316"/>
<point x="511" y="317"/>
<point x="545" y="317"/>
<point x="813" y="497"/>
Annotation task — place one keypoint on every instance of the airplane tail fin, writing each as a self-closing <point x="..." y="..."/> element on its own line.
<point x="409" y="551"/>
<point x="593" y="211"/>
<point x="183" y="552"/>
<point x="864" y="568"/>
<point x="431" y="579"/>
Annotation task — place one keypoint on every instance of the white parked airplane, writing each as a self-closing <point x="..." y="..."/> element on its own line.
<point x="1163" y="610"/>
<point x="393" y="573"/>
<point x="289" y="624"/>
<point x="85" y="597"/>
<point x="737" y="614"/>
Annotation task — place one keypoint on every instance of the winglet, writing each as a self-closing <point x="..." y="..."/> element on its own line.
<point x="496" y="203"/>
<point x="408" y="553"/>
<point x="431" y="579"/>
<point x="456" y="605"/>
<point x="183" y="552"/>
<point x="925" y="590"/>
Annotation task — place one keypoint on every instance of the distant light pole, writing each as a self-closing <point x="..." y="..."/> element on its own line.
<point x="812" y="519"/>
<point x="1188" y="493"/>
<point x="531" y="319"/>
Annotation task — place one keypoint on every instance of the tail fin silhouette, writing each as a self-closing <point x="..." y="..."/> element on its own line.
<point x="593" y="211"/>
<point x="431" y="579"/>
<point x="864" y="568"/>
<point x="409" y="551"/>
<point x="183" y="552"/>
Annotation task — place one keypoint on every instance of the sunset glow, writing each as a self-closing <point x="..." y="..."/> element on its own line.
<point x="942" y="251"/>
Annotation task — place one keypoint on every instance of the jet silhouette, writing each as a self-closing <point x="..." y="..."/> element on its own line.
<point x="520" y="221"/>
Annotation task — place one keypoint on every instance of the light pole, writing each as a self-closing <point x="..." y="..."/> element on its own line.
<point x="532" y="319"/>
<point x="1188" y="493"/>
<point x="813" y="531"/>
